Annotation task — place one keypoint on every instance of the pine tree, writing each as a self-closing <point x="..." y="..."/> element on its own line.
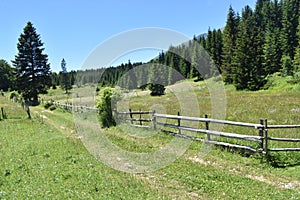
<point x="158" y="79"/>
<point x="6" y="76"/>
<point x="229" y="38"/>
<point x="287" y="65"/>
<point x="260" y="17"/>
<point x="273" y="46"/>
<point x="290" y="24"/>
<point x="296" y="61"/>
<point x="65" y="78"/>
<point x="218" y="50"/>
<point x="130" y="77"/>
<point x="245" y="53"/>
<point x="32" y="69"/>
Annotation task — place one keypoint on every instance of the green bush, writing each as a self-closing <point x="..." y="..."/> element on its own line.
<point x="106" y="104"/>
<point x="156" y="89"/>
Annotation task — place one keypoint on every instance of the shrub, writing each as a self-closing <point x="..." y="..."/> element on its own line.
<point x="106" y="104"/>
<point x="156" y="89"/>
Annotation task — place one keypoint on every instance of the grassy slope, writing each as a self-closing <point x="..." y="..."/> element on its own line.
<point x="40" y="161"/>
<point x="44" y="158"/>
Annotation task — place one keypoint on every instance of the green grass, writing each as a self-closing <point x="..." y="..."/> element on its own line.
<point x="41" y="161"/>
<point x="279" y="107"/>
<point x="44" y="158"/>
<point x="218" y="175"/>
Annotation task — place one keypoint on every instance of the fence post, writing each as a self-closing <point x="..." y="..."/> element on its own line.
<point x="4" y="116"/>
<point x="261" y="134"/>
<point x="154" y="119"/>
<point x="130" y="115"/>
<point x="2" y="112"/>
<point x="207" y="126"/>
<point x="266" y="138"/>
<point x="179" y="131"/>
<point x="140" y="117"/>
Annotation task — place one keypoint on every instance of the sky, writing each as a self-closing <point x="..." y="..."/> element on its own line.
<point x="73" y="29"/>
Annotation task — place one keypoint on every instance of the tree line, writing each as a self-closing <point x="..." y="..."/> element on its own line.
<point x="251" y="47"/>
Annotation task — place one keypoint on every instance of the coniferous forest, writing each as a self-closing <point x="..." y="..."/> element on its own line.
<point x="254" y="44"/>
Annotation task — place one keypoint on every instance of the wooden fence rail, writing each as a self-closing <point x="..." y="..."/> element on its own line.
<point x="71" y="107"/>
<point x="262" y="138"/>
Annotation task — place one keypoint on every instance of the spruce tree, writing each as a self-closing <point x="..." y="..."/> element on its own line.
<point x="245" y="69"/>
<point x="6" y="76"/>
<point x="65" y="78"/>
<point x="273" y="46"/>
<point x="296" y="61"/>
<point x="287" y="65"/>
<point x="158" y="78"/>
<point x="290" y="24"/>
<point x="229" y="38"/>
<point x="32" y="68"/>
<point x="130" y="77"/>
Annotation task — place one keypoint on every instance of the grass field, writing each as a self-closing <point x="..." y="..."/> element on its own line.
<point x="45" y="158"/>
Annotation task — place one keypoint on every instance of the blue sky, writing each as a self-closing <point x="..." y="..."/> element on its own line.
<point x="72" y="29"/>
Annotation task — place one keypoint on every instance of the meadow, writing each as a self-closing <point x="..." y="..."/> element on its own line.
<point x="46" y="158"/>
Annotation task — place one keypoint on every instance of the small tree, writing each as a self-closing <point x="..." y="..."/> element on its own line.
<point x="109" y="97"/>
<point x="156" y="89"/>
<point x="65" y="78"/>
<point x="287" y="65"/>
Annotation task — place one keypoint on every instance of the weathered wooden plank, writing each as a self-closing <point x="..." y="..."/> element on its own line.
<point x="140" y="119"/>
<point x="231" y="145"/>
<point x="284" y="139"/>
<point x="248" y="148"/>
<point x="215" y="133"/>
<point x="284" y="149"/>
<point x="136" y="112"/>
<point x="282" y="126"/>
<point x="209" y="120"/>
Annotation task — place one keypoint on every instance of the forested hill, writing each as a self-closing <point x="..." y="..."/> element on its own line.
<point x="253" y="45"/>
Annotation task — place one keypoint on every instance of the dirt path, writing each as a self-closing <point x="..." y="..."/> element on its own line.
<point x="65" y="126"/>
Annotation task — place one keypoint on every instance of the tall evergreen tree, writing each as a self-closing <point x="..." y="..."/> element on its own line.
<point x="296" y="61"/>
<point x="259" y="28"/>
<point x="65" y="78"/>
<point x="248" y="72"/>
<point x="218" y="50"/>
<point x="290" y="24"/>
<point x="273" y="46"/>
<point x="158" y="78"/>
<point x="229" y="38"/>
<point x="6" y="76"/>
<point x="287" y="65"/>
<point x="32" y="68"/>
<point x="131" y="77"/>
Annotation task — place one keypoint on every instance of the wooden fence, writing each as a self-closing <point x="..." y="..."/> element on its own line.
<point x="262" y="139"/>
<point x="73" y="108"/>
